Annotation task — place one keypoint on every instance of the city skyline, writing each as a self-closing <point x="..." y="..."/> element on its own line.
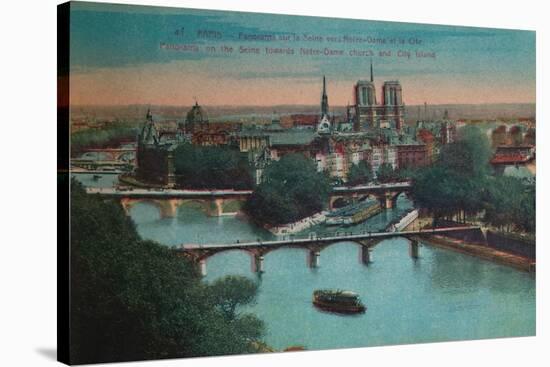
<point x="117" y="59"/>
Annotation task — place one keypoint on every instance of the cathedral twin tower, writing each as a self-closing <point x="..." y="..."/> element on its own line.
<point x="368" y="113"/>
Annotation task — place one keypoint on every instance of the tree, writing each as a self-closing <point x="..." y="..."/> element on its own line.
<point x="386" y="173"/>
<point x="232" y="291"/>
<point x="291" y="189"/>
<point x="360" y="173"/>
<point x="456" y="185"/>
<point x="468" y="156"/>
<point x="526" y="215"/>
<point x="510" y="204"/>
<point x="434" y="189"/>
<point x="134" y="299"/>
<point x="211" y="167"/>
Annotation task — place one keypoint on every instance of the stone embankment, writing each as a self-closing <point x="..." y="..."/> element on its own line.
<point x="300" y="225"/>
<point x="482" y="251"/>
<point x="503" y="248"/>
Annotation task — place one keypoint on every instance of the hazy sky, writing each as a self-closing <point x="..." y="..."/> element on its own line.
<point x="117" y="58"/>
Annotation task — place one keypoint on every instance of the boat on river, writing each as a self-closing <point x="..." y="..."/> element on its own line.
<point x="338" y="301"/>
<point x="354" y="213"/>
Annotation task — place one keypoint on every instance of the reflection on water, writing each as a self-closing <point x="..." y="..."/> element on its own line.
<point x="193" y="226"/>
<point x="441" y="296"/>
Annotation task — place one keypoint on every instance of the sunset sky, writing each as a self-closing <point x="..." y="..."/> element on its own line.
<point x="117" y="59"/>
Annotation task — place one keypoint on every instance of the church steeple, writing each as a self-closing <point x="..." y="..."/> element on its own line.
<point x="324" y="100"/>
<point x="371" y="73"/>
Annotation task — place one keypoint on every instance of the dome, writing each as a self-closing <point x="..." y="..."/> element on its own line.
<point x="196" y="114"/>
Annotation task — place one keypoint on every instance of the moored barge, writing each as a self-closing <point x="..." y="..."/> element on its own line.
<point x="353" y="214"/>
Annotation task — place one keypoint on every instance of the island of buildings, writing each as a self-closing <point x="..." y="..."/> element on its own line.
<point x="370" y="131"/>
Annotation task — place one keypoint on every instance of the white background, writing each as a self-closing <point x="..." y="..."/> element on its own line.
<point x="28" y="194"/>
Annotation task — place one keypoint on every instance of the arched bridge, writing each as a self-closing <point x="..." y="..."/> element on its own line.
<point x="386" y="193"/>
<point x="314" y="244"/>
<point x="114" y="154"/>
<point x="214" y="202"/>
<point x="218" y="202"/>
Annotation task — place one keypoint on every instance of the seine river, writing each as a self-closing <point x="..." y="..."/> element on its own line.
<point x="442" y="296"/>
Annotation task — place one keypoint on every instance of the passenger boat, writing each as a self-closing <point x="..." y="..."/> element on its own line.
<point x="338" y="301"/>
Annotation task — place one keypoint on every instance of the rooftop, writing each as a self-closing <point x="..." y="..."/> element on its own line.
<point x="293" y="137"/>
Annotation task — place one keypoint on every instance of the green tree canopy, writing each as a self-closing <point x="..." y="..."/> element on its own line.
<point x="460" y="184"/>
<point x="456" y="183"/>
<point x="211" y="167"/>
<point x="291" y="189"/>
<point x="233" y="291"/>
<point x="469" y="156"/>
<point x="386" y="173"/>
<point x="511" y="204"/>
<point x="133" y="299"/>
<point x="360" y="173"/>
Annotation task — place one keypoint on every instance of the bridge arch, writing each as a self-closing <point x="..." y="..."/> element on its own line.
<point x="366" y="197"/>
<point x="205" y="206"/>
<point x="405" y="194"/>
<point x="95" y="155"/>
<point x="213" y="253"/>
<point x="126" y="156"/>
<point x="339" y="202"/>
<point x="166" y="208"/>
<point x="324" y="246"/>
<point x="256" y="258"/>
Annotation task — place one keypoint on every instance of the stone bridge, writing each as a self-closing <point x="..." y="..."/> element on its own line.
<point x="212" y="202"/>
<point x="386" y="194"/>
<point x="115" y="154"/>
<point x="227" y="201"/>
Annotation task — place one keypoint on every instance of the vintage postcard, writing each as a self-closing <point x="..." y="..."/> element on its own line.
<point x="251" y="183"/>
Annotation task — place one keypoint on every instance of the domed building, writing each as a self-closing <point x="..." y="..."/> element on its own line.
<point x="203" y="132"/>
<point x="196" y="116"/>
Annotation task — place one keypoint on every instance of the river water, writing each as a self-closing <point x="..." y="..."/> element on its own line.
<point x="441" y="296"/>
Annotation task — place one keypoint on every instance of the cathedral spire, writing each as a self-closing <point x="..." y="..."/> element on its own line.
<point x="371" y="74"/>
<point x="324" y="99"/>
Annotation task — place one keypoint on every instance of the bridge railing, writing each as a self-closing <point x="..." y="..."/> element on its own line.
<point x="330" y="236"/>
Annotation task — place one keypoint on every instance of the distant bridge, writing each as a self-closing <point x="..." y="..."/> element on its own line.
<point x="313" y="244"/>
<point x="214" y="202"/>
<point x="385" y="193"/>
<point x="115" y="154"/>
<point x="164" y="193"/>
<point x="168" y="200"/>
<point x="102" y="159"/>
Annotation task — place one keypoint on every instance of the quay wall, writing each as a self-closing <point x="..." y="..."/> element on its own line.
<point x="470" y="236"/>
<point x="512" y="243"/>
<point x="300" y="225"/>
